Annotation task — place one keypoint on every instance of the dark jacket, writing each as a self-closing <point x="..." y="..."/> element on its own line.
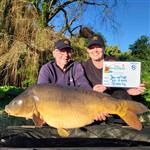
<point x="94" y="76"/>
<point x="72" y="76"/>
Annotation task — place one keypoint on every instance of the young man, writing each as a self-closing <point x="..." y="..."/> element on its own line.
<point x="63" y="70"/>
<point x="93" y="69"/>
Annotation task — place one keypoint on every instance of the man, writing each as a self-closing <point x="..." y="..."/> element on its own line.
<point x="63" y="70"/>
<point x="93" y="69"/>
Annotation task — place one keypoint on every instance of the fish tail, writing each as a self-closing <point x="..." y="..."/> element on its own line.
<point x="130" y="114"/>
<point x="136" y="107"/>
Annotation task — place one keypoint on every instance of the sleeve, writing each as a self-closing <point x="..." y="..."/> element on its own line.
<point x="44" y="75"/>
<point x="80" y="78"/>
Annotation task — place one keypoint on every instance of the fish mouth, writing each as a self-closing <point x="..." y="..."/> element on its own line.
<point x="5" y="113"/>
<point x="7" y="110"/>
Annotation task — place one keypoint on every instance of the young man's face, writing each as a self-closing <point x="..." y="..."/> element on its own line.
<point x="96" y="52"/>
<point x="62" y="56"/>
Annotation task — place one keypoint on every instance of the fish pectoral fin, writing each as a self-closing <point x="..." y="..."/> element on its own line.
<point x="37" y="120"/>
<point x="63" y="132"/>
<point x="132" y="120"/>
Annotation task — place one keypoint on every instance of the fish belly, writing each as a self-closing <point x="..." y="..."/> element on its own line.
<point x="67" y="119"/>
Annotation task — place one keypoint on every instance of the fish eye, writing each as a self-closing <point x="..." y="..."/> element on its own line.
<point x="18" y="102"/>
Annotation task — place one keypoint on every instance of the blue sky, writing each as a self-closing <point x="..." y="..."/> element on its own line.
<point x="134" y="21"/>
<point x="133" y="17"/>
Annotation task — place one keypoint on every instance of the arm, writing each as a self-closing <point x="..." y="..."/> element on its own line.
<point x="80" y="79"/>
<point x="136" y="91"/>
<point x="83" y="82"/>
<point x="101" y="116"/>
<point x="99" y="88"/>
<point x="44" y="75"/>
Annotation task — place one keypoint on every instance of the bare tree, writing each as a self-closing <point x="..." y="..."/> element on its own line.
<point x="69" y="11"/>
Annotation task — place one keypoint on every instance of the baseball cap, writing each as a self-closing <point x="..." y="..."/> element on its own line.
<point x="96" y="40"/>
<point x="62" y="44"/>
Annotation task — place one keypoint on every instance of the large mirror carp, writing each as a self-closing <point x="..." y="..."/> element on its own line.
<point x="64" y="107"/>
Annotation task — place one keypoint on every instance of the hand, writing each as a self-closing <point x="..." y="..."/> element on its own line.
<point x="101" y="116"/>
<point x="99" y="88"/>
<point x="136" y="91"/>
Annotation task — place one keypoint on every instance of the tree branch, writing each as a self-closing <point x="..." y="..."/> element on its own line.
<point x="93" y="3"/>
<point x="60" y="8"/>
<point x="67" y="23"/>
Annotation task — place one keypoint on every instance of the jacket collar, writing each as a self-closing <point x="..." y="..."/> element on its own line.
<point x="68" y="65"/>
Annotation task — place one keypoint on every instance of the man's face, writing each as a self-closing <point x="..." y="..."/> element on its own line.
<point x="96" y="52"/>
<point x="62" y="56"/>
